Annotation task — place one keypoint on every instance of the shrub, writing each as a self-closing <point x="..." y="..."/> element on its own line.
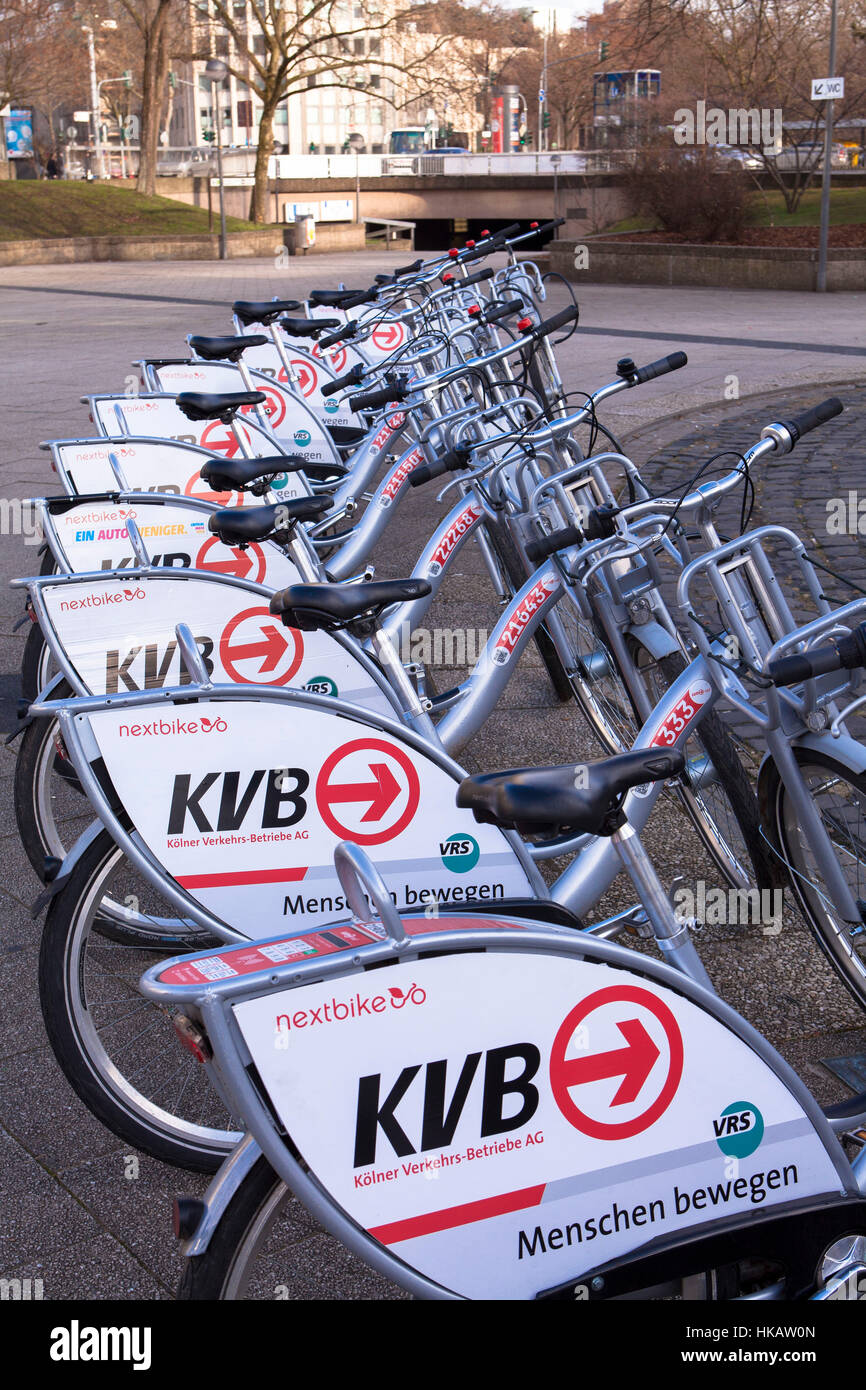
<point x="690" y="193"/>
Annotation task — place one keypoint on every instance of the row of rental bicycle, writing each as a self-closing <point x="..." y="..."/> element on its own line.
<point x="289" y="941"/>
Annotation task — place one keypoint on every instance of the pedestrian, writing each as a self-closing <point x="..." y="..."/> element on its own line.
<point x="51" y="168"/>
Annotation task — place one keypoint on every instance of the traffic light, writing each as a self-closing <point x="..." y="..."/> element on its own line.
<point x="172" y="80"/>
<point x="207" y="135"/>
<point x="603" y="50"/>
<point x="127" y="77"/>
<point x="545" y="120"/>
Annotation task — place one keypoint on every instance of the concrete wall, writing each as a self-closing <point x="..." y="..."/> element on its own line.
<point x="727" y="267"/>
<point x="268" y="242"/>
<point x="588" y="203"/>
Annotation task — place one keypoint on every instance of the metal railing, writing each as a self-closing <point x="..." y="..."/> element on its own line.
<point x="387" y="223"/>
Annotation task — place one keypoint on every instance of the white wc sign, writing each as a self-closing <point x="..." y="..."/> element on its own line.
<point x="827" y="88"/>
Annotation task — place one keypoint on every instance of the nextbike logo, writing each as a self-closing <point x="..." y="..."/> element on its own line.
<point x="399" y="476"/>
<point x="460" y="853"/>
<point x="518" y="619"/>
<point x="302" y="438"/>
<point x="458" y="528"/>
<point x="739" y="1129"/>
<point x="162" y="727"/>
<point x="90" y="518"/>
<point x="339" y="1010"/>
<point x="100" y="600"/>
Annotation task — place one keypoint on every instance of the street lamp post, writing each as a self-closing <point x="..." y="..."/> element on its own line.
<point x="824" y="235"/>
<point x="216" y="70"/>
<point x="94" y="102"/>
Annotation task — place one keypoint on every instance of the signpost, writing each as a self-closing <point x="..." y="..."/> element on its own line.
<point x="826" y="83"/>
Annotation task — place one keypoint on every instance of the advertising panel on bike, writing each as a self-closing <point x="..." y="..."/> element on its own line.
<point x="505" y="1123"/>
<point x="288" y="416"/>
<point x="159" y="415"/>
<point x="119" y="635"/>
<point x="245" y="802"/>
<point x="92" y="535"/>
<point x="312" y="375"/>
<point x="151" y="465"/>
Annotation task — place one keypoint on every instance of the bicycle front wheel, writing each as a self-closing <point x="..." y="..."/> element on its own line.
<point x="839" y="796"/>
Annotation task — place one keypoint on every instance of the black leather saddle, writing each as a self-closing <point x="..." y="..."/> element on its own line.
<point x="332" y="606"/>
<point x="576" y="799"/>
<point x="243" y="525"/>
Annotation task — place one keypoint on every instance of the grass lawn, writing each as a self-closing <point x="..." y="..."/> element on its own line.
<point x="58" y="208"/>
<point x="847" y="208"/>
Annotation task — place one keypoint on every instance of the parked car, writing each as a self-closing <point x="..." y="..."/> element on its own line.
<point x="810" y="155"/>
<point x="737" y="155"/>
<point x="182" y="163"/>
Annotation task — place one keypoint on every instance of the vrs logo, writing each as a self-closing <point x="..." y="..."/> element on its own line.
<point x="302" y="438"/>
<point x="739" y="1129"/>
<point x="460" y="853"/>
<point x="321" y="685"/>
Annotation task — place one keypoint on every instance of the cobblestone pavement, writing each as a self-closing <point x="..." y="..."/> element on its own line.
<point x="74" y="1214"/>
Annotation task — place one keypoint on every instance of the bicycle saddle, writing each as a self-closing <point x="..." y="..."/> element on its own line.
<point x="233" y="475"/>
<point x="578" y="798"/>
<point x="332" y="298"/>
<point x="331" y="606"/>
<point x="264" y="310"/>
<point x="241" y="525"/>
<point x="207" y="405"/>
<point x="309" y="328"/>
<point x="228" y="349"/>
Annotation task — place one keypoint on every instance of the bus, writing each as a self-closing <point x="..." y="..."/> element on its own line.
<point x="412" y="139"/>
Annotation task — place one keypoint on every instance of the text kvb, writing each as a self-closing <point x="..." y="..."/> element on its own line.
<point x="228" y="803"/>
<point x="429" y="1115"/>
<point x="157" y="664"/>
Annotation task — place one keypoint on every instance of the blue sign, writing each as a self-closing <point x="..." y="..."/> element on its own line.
<point x="19" y="134"/>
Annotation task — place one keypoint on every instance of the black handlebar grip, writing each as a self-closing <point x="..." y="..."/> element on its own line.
<point x="811" y="419"/>
<point x="451" y="462"/>
<point x="409" y="269"/>
<point x="476" y="279"/>
<point x="362" y="297"/>
<point x="549" y="226"/>
<point x="843" y="654"/>
<point x="672" y="363"/>
<point x="331" y="339"/>
<point x="569" y="315"/>
<point x="511" y="230"/>
<point x="368" y="400"/>
<point x="536" y="551"/>
<point x="350" y="378"/>
<point x="477" y="253"/>
<point x="502" y="311"/>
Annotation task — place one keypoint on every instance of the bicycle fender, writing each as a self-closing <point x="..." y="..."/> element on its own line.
<point x="843" y="749"/>
<point x="27" y="719"/>
<point x="51" y="889"/>
<point x="657" y="640"/>
<point x="228" y="1179"/>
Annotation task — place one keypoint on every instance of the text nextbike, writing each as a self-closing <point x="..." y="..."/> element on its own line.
<point x="173" y="726"/>
<point x="338" y="1010"/>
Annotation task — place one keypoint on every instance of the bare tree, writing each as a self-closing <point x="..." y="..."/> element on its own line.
<point x="151" y="19"/>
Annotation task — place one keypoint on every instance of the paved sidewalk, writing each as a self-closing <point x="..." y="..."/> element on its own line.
<point x="74" y="1214"/>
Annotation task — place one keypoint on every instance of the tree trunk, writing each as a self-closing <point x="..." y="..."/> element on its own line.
<point x="259" y="200"/>
<point x="153" y="84"/>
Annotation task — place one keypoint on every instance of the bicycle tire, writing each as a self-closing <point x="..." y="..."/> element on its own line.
<point x="87" y="1050"/>
<point x="835" y="941"/>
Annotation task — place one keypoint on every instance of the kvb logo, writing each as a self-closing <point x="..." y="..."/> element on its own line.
<point x="431" y="1110"/>
<point x="282" y="805"/>
<point x="157" y="662"/>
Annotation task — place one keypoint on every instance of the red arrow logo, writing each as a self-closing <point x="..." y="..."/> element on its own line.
<point x="239" y="564"/>
<point x="381" y="794"/>
<point x="269" y="650"/>
<point x="633" y="1063"/>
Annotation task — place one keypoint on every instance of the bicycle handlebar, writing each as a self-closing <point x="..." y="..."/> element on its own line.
<point x="331" y="339"/>
<point x="502" y="311"/>
<point x="451" y="462"/>
<point x="841" y="654"/>
<point x="566" y="536"/>
<point x="811" y="419"/>
<point x="541" y="330"/>
<point x="351" y="378"/>
<point x="368" y="400"/>
<point x="362" y="297"/>
<point x="636" y="376"/>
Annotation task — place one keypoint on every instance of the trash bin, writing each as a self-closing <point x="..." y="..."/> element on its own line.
<point x="305" y="232"/>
